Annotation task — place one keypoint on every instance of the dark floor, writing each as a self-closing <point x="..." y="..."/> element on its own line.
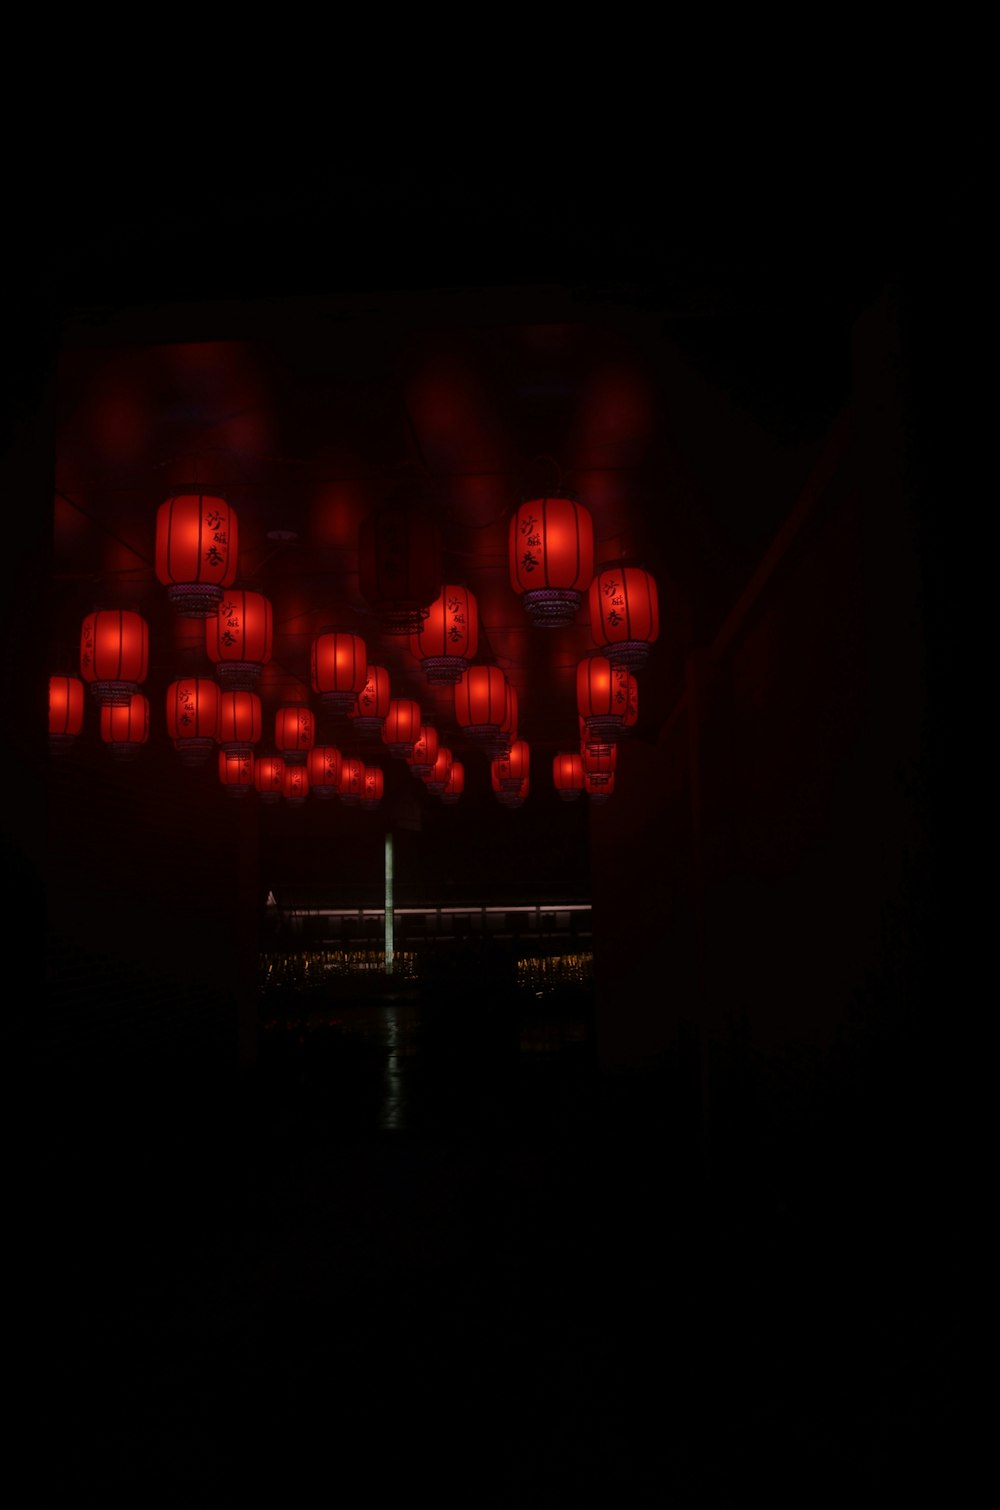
<point x="358" y="1274"/>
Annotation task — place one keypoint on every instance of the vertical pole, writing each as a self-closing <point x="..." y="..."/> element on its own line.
<point x="388" y="905"/>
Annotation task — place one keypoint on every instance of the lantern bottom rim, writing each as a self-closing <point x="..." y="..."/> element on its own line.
<point x="552" y="607"/>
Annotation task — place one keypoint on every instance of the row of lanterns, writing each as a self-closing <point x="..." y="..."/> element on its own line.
<point x="551" y="567"/>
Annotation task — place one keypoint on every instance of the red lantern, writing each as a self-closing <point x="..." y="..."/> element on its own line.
<point x="66" y="699"/>
<point x="599" y="764"/>
<point x="373" y="787"/>
<point x="598" y="792"/>
<point x="402" y="726"/>
<point x="372" y="702"/>
<point x="436" y="779"/>
<point x="193" y="717"/>
<point x="323" y="764"/>
<point x="481" y="703"/>
<point x="339" y="668"/>
<point x="294" y="732"/>
<point x="567" y="776"/>
<point x="513" y="767"/>
<point x="505" y="795"/>
<point x="295" y="784"/>
<point x="607" y="699"/>
<point x="455" y="785"/>
<point x="399" y="565"/>
<point x="114" y="654"/>
<point x="239" y="722"/>
<point x="197" y="542"/>
<point x="269" y="777"/>
<point x="125" y="727"/>
<point x="425" y="751"/>
<point x="551" y="558"/>
<point x="447" y="640"/>
<point x="624" y="614"/>
<point x="239" y="638"/>
<point x="352" y="780"/>
<point x="236" y="771"/>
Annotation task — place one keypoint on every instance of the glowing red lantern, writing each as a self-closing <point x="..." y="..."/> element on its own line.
<point x="240" y="721"/>
<point x="481" y="703"/>
<point x="239" y="637"/>
<point x="295" y="784"/>
<point x="505" y="795"/>
<point x="352" y="780"/>
<point x="599" y="763"/>
<point x="436" y="779"/>
<point x="551" y="558"/>
<point x="455" y="785"/>
<point x="399" y="565"/>
<point x="372" y="702"/>
<point x="197" y="546"/>
<point x="269" y="777"/>
<point x="323" y="764"/>
<point x="125" y="727"/>
<point x="373" y="787"/>
<point x="66" y="699"/>
<point x="514" y="766"/>
<point x="567" y="775"/>
<point x="114" y="654"/>
<point x="425" y="751"/>
<point x="294" y="732"/>
<point x="401" y="727"/>
<point x="236" y="771"/>
<point x="193" y="717"/>
<point x="447" y="639"/>
<point x="598" y="792"/>
<point x="624" y="614"/>
<point x="339" y="668"/>
<point x="606" y="699"/>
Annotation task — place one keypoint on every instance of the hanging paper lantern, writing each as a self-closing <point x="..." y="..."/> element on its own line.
<point x="598" y="792"/>
<point x="567" y="775"/>
<point x="372" y="702"/>
<point x="66" y="700"/>
<point x="197" y="541"/>
<point x="607" y="699"/>
<point x="352" y="780"/>
<point x="294" y="732"/>
<point x="513" y="767"/>
<point x="551" y="558"/>
<point x="240" y="722"/>
<point x="373" y="787"/>
<point x="323" y="764"/>
<point x="436" y="779"/>
<point x="624" y="614"/>
<point x="599" y="764"/>
<point x="507" y="796"/>
<point x="447" y="639"/>
<point x="236" y="771"/>
<point x="399" y="565"/>
<point x="125" y="727"/>
<point x="193" y="717"/>
<point x="481" y="703"/>
<point x="425" y="751"/>
<point x="114" y="654"/>
<point x="401" y="727"/>
<point x="239" y="638"/>
<point x="295" y="784"/>
<point x="455" y="785"/>
<point x="339" y="668"/>
<point x="269" y="777"/>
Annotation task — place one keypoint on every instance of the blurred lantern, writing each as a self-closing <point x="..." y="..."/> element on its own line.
<point x="567" y="775"/>
<point x="240" y="722"/>
<point x="624" y="614"/>
<point x="401" y="727"/>
<point x="436" y="779"/>
<point x="352" y="780"/>
<point x="455" y="785"/>
<point x="193" y="717"/>
<point x="373" y="787"/>
<point x="513" y="767"/>
<point x="551" y="558"/>
<point x="372" y="703"/>
<point x="606" y="699"/>
<point x="323" y="764"/>
<point x="447" y="639"/>
<point x="197" y="542"/>
<point x="294" y="732"/>
<point x="481" y="703"/>
<point x="239" y="638"/>
<point x="425" y="751"/>
<point x="125" y="728"/>
<point x="295" y="784"/>
<point x="507" y="796"/>
<point x="236" y="771"/>
<point x="339" y="668"/>
<point x="66" y="699"/>
<point x="599" y="764"/>
<point x="598" y="791"/>
<point x="399" y="565"/>
<point x="269" y="777"/>
<point x="114" y="654"/>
